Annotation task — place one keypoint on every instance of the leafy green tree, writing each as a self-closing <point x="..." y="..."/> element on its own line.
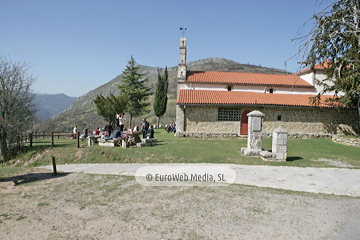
<point x="161" y="95"/>
<point x="109" y="106"/>
<point x="335" y="40"/>
<point x="17" y="108"/>
<point x="134" y="85"/>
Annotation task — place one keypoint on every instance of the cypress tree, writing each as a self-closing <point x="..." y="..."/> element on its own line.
<point x="161" y="98"/>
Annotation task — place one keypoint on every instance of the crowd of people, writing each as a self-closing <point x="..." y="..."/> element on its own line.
<point x="146" y="129"/>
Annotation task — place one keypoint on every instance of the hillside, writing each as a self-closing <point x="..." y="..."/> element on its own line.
<point x="83" y="113"/>
<point x="50" y="105"/>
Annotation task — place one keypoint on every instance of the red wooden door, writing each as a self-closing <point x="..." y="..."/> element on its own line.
<point x="244" y="123"/>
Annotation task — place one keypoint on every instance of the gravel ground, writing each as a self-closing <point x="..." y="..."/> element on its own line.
<point x="338" y="181"/>
<point x="91" y="206"/>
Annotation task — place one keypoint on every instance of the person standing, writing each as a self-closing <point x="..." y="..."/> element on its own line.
<point x="75" y="132"/>
<point x="144" y="127"/>
<point x="117" y="119"/>
<point x="121" y="122"/>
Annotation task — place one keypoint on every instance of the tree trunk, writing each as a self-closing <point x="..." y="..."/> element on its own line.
<point x="359" y="110"/>
<point x="130" y="121"/>
<point x="157" y="121"/>
<point x="4" y="151"/>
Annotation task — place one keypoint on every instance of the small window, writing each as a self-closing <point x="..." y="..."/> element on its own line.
<point x="279" y="118"/>
<point x="271" y="90"/>
<point x="229" y="114"/>
<point x="229" y="88"/>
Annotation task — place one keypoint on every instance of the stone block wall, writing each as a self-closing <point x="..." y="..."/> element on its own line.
<point x="299" y="122"/>
<point x="204" y="119"/>
<point x="311" y="120"/>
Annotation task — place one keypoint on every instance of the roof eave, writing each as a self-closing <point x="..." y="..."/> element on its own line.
<point x="250" y="84"/>
<point x="257" y="105"/>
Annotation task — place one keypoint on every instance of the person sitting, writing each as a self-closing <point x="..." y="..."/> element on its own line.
<point x="117" y="133"/>
<point x="171" y="127"/>
<point x="108" y="128"/>
<point x="150" y="133"/>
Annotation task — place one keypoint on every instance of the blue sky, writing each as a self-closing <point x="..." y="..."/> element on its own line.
<point x="74" y="46"/>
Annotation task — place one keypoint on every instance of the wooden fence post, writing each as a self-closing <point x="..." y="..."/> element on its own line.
<point x="52" y="139"/>
<point x="78" y="139"/>
<point x="54" y="165"/>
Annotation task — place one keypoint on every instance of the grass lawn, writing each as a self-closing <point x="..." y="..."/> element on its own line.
<point x="170" y="149"/>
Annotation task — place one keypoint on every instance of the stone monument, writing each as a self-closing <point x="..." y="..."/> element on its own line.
<point x="279" y="147"/>
<point x="254" y="143"/>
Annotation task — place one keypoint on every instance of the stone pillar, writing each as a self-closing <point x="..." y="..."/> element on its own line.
<point x="91" y="140"/>
<point x="254" y="143"/>
<point x="279" y="144"/>
<point x="255" y="130"/>
<point x="124" y="143"/>
<point x="180" y="123"/>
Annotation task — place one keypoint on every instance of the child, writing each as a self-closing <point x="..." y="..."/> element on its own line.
<point x="151" y="132"/>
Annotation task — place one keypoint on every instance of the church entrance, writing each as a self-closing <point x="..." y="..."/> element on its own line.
<point x="244" y="123"/>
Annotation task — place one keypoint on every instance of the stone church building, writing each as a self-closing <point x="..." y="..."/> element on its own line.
<point x="217" y="103"/>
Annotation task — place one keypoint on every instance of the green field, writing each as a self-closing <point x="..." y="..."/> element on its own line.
<point x="170" y="149"/>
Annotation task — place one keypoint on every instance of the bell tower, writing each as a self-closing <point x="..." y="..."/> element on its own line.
<point x="182" y="64"/>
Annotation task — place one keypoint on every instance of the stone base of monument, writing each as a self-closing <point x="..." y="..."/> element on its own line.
<point x="265" y="155"/>
<point x="273" y="157"/>
<point x="250" y="152"/>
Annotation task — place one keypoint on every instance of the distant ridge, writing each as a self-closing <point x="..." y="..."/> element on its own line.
<point x="50" y="105"/>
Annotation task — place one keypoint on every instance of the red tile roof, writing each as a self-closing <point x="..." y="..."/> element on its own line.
<point x="186" y="96"/>
<point x="246" y="78"/>
<point x="319" y="66"/>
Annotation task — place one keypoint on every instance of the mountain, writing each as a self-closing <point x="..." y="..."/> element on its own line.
<point x="83" y="112"/>
<point x="50" y="105"/>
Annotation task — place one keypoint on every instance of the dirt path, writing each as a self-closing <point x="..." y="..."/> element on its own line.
<point x="90" y="206"/>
